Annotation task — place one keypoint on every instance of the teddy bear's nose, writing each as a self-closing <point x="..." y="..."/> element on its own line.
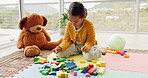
<point x="38" y="28"/>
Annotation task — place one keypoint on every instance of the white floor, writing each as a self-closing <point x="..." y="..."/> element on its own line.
<point x="133" y="41"/>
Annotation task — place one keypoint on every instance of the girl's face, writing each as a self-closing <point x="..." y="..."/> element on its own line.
<point x="75" y="20"/>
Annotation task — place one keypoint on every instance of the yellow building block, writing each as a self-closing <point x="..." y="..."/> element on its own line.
<point x="82" y="61"/>
<point x="102" y="64"/>
<point x="42" y="59"/>
<point x="94" y="61"/>
<point x="98" y="64"/>
<point x="82" y="67"/>
<point x="60" y="74"/>
<point x="101" y="70"/>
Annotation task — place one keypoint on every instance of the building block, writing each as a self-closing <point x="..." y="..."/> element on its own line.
<point x="98" y="64"/>
<point x="36" y="62"/>
<point x="52" y="73"/>
<point x="76" y="69"/>
<point x="126" y="56"/>
<point x="42" y="59"/>
<point x="54" y="62"/>
<point x="62" y="70"/>
<point x="90" y="65"/>
<point x="94" y="61"/>
<point x="60" y="74"/>
<point x="66" y="62"/>
<point x="71" y="65"/>
<point x="122" y="54"/>
<point x="84" y="70"/>
<point x="87" y="75"/>
<point x="54" y="58"/>
<point x="82" y="61"/>
<point x="101" y="70"/>
<point x="66" y="68"/>
<point x="82" y="67"/>
<point x="95" y="73"/>
<point x="61" y="65"/>
<point x="36" y="58"/>
<point x="55" y="68"/>
<point x="72" y="60"/>
<point x="41" y="62"/>
<point x="74" y="73"/>
<point x="102" y="64"/>
<point x="93" y="69"/>
<point x="45" y="72"/>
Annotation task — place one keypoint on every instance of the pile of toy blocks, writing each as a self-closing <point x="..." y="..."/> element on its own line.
<point x="122" y="53"/>
<point x="61" y="67"/>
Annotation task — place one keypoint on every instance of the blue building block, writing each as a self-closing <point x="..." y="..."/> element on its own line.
<point x="55" y="68"/>
<point x="71" y="65"/>
<point x="84" y="70"/>
<point x="95" y="73"/>
<point x="52" y="73"/>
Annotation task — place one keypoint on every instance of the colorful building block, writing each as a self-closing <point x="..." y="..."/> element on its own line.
<point x="76" y="69"/>
<point x="93" y="69"/>
<point x="87" y="75"/>
<point x="84" y="70"/>
<point x="94" y="61"/>
<point x="45" y="72"/>
<point x="82" y="61"/>
<point x="74" y="73"/>
<point x="126" y="56"/>
<point x="101" y="70"/>
<point x="82" y="67"/>
<point x="60" y="74"/>
<point x="102" y="64"/>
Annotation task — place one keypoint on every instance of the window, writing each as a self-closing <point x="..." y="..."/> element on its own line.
<point x="111" y="15"/>
<point x="9" y="16"/>
<point x="143" y="16"/>
<point x="47" y="8"/>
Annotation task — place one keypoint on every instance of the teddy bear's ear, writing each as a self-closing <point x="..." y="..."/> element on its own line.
<point x="45" y="21"/>
<point x="21" y="23"/>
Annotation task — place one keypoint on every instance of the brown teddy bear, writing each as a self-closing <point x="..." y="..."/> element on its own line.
<point x="33" y="37"/>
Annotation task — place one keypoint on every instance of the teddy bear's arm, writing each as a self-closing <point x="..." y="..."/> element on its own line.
<point x="20" y="41"/>
<point x="47" y="36"/>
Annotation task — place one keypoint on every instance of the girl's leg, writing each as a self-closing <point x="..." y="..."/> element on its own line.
<point x="71" y="50"/>
<point x="93" y="53"/>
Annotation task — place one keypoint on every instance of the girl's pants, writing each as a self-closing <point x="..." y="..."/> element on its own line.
<point x="75" y="49"/>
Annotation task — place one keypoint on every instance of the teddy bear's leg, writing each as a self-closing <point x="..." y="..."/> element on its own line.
<point x="31" y="51"/>
<point x="52" y="45"/>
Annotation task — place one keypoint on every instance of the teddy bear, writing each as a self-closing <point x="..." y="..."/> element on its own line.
<point x="33" y="38"/>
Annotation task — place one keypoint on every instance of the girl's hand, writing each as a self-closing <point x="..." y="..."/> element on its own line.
<point x="57" y="50"/>
<point x="84" y="49"/>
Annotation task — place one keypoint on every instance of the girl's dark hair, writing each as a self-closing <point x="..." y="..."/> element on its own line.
<point x="77" y="9"/>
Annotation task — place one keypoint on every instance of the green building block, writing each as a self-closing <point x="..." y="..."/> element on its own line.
<point x="76" y="69"/>
<point x="45" y="72"/>
<point x="67" y="71"/>
<point x="36" y="62"/>
<point x="61" y="65"/>
<point x="36" y="58"/>
<point x="65" y="68"/>
<point x="60" y="59"/>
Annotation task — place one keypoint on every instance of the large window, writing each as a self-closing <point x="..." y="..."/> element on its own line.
<point x="9" y="17"/>
<point x="47" y="8"/>
<point x="143" y="16"/>
<point x="111" y="15"/>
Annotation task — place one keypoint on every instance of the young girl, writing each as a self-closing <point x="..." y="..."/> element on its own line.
<point x="79" y="36"/>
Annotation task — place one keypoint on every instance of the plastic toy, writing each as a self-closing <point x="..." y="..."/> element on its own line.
<point x="116" y="42"/>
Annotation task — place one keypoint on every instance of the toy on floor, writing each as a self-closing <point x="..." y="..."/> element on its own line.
<point x="116" y="42"/>
<point x="122" y="53"/>
<point x="60" y="67"/>
<point x="33" y="37"/>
